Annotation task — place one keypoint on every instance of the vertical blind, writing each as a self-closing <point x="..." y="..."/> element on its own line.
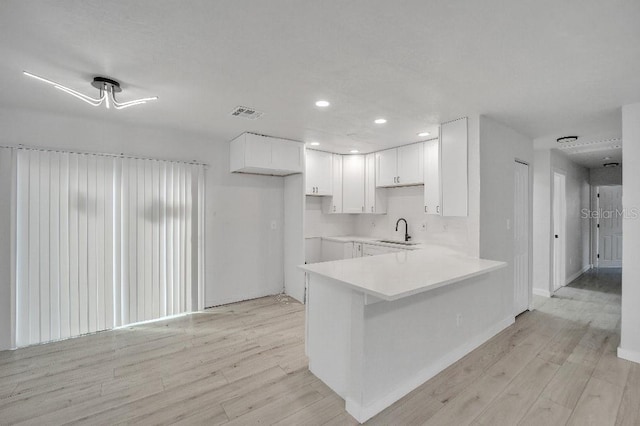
<point x="104" y="241"/>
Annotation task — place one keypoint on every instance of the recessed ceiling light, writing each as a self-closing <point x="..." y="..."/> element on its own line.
<point x="322" y="104"/>
<point x="354" y="151"/>
<point x="421" y="134"/>
<point x="314" y="143"/>
<point x="380" y="121"/>
<point x="606" y="158"/>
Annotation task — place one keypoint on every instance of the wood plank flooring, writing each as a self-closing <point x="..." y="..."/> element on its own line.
<point x="244" y="364"/>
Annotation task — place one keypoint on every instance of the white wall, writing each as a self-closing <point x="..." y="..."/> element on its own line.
<point x="603" y="176"/>
<point x="319" y="224"/>
<point x="542" y="180"/>
<point x="244" y="255"/>
<point x="500" y="146"/>
<point x="578" y="234"/>
<point x="630" y="339"/>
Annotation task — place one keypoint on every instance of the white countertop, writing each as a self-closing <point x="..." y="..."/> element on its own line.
<point x="396" y="275"/>
<point x="374" y="241"/>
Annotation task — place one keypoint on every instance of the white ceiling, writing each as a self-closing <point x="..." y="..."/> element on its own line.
<point x="545" y="67"/>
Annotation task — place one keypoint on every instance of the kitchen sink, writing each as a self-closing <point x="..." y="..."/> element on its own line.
<point x="404" y="243"/>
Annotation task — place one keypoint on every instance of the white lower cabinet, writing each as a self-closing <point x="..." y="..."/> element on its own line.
<point x="373" y="250"/>
<point x="357" y="249"/>
<point x="353" y="184"/>
<point x="335" y="250"/>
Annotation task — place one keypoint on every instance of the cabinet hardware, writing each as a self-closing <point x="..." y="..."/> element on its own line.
<point x="371" y="209"/>
<point x="437" y="209"/>
<point x="334" y="208"/>
<point x="425" y="209"/>
<point x="398" y="179"/>
<point x="362" y="209"/>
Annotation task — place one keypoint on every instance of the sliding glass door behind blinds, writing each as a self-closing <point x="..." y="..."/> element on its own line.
<point x="104" y="241"/>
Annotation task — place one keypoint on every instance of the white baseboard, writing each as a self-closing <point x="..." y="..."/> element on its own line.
<point x="235" y="299"/>
<point x="629" y="355"/>
<point x="541" y="292"/>
<point x="362" y="414"/>
<point x="578" y="274"/>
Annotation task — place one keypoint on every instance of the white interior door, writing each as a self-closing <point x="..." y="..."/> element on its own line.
<point x="610" y="226"/>
<point x="559" y="230"/>
<point x="522" y="290"/>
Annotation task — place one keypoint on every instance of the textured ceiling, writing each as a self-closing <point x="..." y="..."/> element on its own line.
<point x="545" y="68"/>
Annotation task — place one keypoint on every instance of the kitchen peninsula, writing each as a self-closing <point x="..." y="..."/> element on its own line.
<point x="380" y="326"/>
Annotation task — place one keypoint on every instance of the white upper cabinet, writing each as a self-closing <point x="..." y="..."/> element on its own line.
<point x="432" y="177"/>
<point x="334" y="203"/>
<point x="400" y="166"/>
<point x="454" y="168"/>
<point x="251" y="153"/>
<point x="353" y="183"/>
<point x="410" y="164"/>
<point x="375" y="200"/>
<point x="319" y="173"/>
<point x="387" y="169"/>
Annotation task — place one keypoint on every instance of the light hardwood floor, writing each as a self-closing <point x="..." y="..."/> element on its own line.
<point x="244" y="364"/>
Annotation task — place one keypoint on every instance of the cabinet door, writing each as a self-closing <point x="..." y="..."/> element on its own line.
<point x="453" y="167"/>
<point x="257" y="151"/>
<point x="353" y="184"/>
<point x="286" y="155"/>
<point x="387" y="167"/>
<point x="319" y="176"/>
<point x="336" y="201"/>
<point x="432" y="177"/>
<point x="410" y="164"/>
<point x="374" y="198"/>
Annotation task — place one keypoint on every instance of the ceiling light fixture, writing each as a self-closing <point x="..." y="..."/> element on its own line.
<point x="314" y="143"/>
<point x="380" y="121"/>
<point x="322" y="104"/>
<point x="107" y="87"/>
<point x="567" y="139"/>
<point x="422" y="134"/>
<point x="354" y="151"/>
<point x="610" y="164"/>
<point x="606" y="158"/>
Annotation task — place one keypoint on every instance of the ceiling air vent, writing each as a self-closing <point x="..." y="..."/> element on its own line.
<point x="246" y="112"/>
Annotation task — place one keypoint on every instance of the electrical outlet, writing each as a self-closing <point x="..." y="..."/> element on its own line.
<point x="274" y="225"/>
<point x="458" y="320"/>
<point x="423" y="226"/>
<point x="373" y="224"/>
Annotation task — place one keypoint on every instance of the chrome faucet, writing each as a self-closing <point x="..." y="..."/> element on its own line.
<point x="407" y="237"/>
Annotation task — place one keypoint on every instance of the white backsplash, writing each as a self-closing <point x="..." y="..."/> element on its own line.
<point x="406" y="202"/>
<point x="318" y="224"/>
